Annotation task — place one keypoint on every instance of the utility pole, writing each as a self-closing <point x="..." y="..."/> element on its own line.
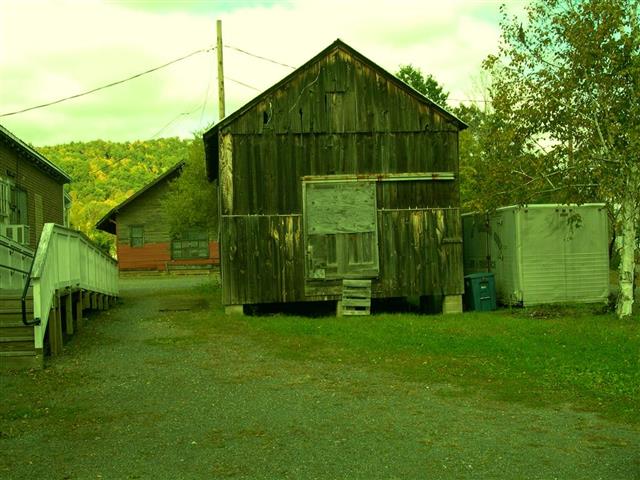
<point x="220" y="71"/>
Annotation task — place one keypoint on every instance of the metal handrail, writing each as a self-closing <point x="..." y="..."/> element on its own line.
<point x="23" y="300"/>
<point x="27" y="283"/>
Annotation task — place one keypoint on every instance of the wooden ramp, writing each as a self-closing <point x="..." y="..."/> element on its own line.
<point x="356" y="297"/>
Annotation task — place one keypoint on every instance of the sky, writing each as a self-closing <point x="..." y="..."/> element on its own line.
<point x="54" y="49"/>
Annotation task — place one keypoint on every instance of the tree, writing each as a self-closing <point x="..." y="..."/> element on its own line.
<point x="567" y="89"/>
<point x="105" y="173"/>
<point x="428" y="86"/>
<point x="192" y="200"/>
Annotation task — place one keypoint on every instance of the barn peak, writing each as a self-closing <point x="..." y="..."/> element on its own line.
<point x="336" y="50"/>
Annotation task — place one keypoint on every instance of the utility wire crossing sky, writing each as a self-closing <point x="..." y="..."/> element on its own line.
<point x="58" y="60"/>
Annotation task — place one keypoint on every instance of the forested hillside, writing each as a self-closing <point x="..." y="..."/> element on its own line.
<point x="105" y="173"/>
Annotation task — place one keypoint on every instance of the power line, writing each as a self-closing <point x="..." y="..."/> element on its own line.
<point x="259" y="56"/>
<point x="118" y="82"/>
<point x="293" y="68"/>
<point x="206" y="100"/>
<point x="243" y="84"/>
<point x="183" y="114"/>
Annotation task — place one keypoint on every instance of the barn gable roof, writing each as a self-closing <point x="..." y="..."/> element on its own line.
<point x="210" y="137"/>
<point x="108" y="222"/>
<point x="33" y="156"/>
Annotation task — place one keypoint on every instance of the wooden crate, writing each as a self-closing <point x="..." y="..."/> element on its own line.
<point x="356" y="297"/>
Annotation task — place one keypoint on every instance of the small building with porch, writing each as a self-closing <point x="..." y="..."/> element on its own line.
<point x="338" y="176"/>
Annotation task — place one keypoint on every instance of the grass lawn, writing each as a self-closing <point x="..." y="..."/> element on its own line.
<point x="552" y="355"/>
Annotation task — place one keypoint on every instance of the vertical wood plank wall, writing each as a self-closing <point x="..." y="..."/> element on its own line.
<point x="338" y="116"/>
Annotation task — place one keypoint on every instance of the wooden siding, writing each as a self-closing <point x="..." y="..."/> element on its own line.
<point x="157" y="256"/>
<point x="337" y="116"/>
<point x="264" y="259"/>
<point x="420" y="254"/>
<point x="147" y="211"/>
<point x="267" y="168"/>
<point x="35" y="182"/>
<point x="338" y="94"/>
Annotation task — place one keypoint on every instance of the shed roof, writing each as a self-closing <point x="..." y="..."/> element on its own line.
<point x="108" y="222"/>
<point x="210" y="136"/>
<point x="36" y="158"/>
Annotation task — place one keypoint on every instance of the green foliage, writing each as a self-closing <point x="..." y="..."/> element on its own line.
<point x="494" y="159"/>
<point x="192" y="199"/>
<point x="427" y="86"/>
<point x="566" y="85"/>
<point x="563" y="83"/>
<point x="106" y="173"/>
<point x="475" y="167"/>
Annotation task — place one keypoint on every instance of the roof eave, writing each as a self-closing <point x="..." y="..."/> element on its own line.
<point x="100" y="224"/>
<point x="41" y="161"/>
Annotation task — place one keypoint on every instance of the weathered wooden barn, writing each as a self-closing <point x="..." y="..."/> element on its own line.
<point x="143" y="236"/>
<point x="339" y="171"/>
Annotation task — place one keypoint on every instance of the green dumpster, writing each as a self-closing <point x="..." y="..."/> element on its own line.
<point x="480" y="291"/>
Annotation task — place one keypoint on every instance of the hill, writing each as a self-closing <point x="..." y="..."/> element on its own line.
<point x="105" y="173"/>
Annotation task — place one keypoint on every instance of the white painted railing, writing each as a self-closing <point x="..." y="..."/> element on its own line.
<point x="67" y="259"/>
<point x="15" y="262"/>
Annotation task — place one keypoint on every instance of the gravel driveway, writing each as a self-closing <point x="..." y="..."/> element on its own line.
<point x="156" y="388"/>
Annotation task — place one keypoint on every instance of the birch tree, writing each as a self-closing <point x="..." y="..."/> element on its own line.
<point x="567" y="82"/>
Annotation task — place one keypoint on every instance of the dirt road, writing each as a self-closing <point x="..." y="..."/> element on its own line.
<point x="163" y="387"/>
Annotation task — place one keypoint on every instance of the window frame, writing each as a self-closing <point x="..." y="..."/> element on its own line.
<point x="191" y="244"/>
<point x="132" y="242"/>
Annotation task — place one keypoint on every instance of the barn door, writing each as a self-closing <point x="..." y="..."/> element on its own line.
<point x="341" y="234"/>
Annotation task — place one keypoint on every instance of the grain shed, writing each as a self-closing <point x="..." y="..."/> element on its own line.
<point x="144" y="240"/>
<point x="542" y="253"/>
<point x="340" y="171"/>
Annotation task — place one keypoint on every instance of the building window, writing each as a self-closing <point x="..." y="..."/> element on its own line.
<point x="5" y="200"/>
<point x="136" y="236"/>
<point x="19" y="206"/>
<point x="13" y="203"/>
<point x="192" y="243"/>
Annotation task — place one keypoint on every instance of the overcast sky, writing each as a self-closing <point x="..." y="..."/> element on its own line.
<point x="53" y="49"/>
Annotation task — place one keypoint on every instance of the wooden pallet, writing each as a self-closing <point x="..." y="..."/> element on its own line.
<point x="356" y="297"/>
